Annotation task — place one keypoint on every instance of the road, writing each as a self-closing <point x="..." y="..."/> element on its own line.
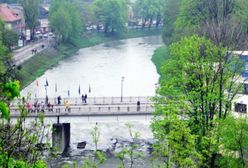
<point x="23" y="54"/>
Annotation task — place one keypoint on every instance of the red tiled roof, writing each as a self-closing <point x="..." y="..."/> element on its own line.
<point x="8" y="15"/>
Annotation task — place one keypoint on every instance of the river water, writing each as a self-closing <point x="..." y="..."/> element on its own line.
<point x="101" y="69"/>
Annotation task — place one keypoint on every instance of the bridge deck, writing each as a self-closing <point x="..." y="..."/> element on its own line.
<point x="94" y="106"/>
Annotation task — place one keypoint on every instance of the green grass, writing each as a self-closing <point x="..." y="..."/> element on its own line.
<point x="159" y="57"/>
<point x="37" y="65"/>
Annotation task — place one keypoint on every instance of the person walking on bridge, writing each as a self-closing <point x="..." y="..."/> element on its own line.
<point x="59" y="100"/>
<point x="85" y="98"/>
<point x="67" y="106"/>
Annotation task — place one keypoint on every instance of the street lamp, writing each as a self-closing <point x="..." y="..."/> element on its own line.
<point x="156" y="88"/>
<point x="122" y="80"/>
<point x="46" y="98"/>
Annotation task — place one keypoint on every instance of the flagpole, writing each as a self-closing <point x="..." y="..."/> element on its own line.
<point x="89" y="90"/>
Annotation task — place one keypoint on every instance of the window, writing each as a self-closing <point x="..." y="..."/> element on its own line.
<point x="246" y="66"/>
<point x="246" y="88"/>
<point x="240" y="108"/>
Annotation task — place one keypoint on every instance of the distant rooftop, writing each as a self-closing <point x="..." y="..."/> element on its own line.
<point x="8" y="15"/>
<point x="241" y="52"/>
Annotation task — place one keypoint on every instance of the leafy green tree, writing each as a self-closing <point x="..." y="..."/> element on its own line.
<point x="112" y="14"/>
<point x="148" y="10"/>
<point x="171" y="11"/>
<point x="66" y="21"/>
<point x="30" y="8"/>
<point x="176" y="146"/>
<point x="234" y="140"/>
<point x="197" y="75"/>
<point x="224" y="22"/>
<point x="99" y="157"/>
<point x="130" y="152"/>
<point x="10" y="38"/>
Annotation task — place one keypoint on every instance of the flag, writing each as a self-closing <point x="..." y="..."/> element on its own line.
<point x="46" y="82"/>
<point x="56" y="88"/>
<point x="89" y="89"/>
<point x="79" y="90"/>
<point x="37" y="83"/>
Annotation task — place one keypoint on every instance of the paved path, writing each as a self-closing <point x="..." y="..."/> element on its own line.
<point x="87" y="110"/>
<point x="96" y="106"/>
<point x="23" y="54"/>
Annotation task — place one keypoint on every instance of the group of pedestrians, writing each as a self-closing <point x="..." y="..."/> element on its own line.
<point x="84" y="98"/>
<point x="34" y="51"/>
<point x="39" y="106"/>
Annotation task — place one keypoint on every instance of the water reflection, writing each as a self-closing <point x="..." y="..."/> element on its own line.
<point x="101" y="68"/>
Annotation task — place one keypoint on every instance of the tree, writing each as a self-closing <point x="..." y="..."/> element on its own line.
<point x="30" y="8"/>
<point x="10" y="38"/>
<point x="196" y="78"/>
<point x="66" y="21"/>
<point x="224" y="22"/>
<point x="234" y="138"/>
<point x="171" y="11"/>
<point x="148" y="10"/>
<point x="112" y="14"/>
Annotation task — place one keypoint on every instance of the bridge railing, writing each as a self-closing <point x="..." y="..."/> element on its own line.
<point x="92" y="100"/>
<point x="88" y="110"/>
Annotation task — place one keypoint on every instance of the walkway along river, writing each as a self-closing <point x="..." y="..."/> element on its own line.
<point x="100" y="69"/>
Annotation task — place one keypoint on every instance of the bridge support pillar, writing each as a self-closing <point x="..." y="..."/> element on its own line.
<point x="61" y="137"/>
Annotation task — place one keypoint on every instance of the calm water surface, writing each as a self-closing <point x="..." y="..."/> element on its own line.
<point x="101" y="68"/>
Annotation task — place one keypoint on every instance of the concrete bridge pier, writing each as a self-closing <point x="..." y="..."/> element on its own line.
<point x="61" y="136"/>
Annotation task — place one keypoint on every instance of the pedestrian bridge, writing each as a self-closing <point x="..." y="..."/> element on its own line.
<point x="94" y="106"/>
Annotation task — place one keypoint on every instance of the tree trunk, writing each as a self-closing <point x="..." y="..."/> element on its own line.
<point x="150" y="23"/>
<point x="106" y="28"/>
<point x="158" y="21"/>
<point x="143" y="24"/>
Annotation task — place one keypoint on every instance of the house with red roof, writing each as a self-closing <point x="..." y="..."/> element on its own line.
<point x="11" y="18"/>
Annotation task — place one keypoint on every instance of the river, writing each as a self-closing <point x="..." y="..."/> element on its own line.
<point x="101" y="69"/>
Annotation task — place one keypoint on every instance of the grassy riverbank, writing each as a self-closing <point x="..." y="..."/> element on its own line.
<point x="159" y="57"/>
<point x="37" y="65"/>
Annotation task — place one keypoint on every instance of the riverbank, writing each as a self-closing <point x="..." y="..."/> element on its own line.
<point x="37" y="65"/>
<point x="159" y="57"/>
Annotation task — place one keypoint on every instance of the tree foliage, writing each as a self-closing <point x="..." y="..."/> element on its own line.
<point x="234" y="138"/>
<point x="149" y="10"/>
<point x="199" y="86"/>
<point x="66" y="21"/>
<point x="8" y="37"/>
<point x="112" y="14"/>
<point x="30" y="8"/>
<point x="224" y="22"/>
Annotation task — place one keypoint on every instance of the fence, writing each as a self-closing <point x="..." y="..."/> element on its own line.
<point x="87" y="110"/>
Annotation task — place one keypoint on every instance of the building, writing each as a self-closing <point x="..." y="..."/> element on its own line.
<point x="43" y="26"/>
<point x="12" y="18"/>
<point x="244" y="57"/>
<point x="241" y="102"/>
